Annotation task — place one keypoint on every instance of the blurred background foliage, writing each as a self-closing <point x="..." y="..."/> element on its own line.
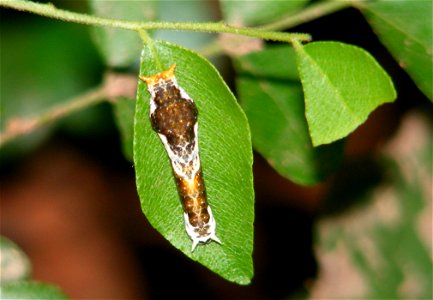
<point x="44" y="63"/>
<point x="68" y="196"/>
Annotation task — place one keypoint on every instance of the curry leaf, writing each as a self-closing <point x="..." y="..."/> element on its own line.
<point x="271" y="94"/>
<point x="226" y="157"/>
<point x="405" y="28"/>
<point x="342" y="85"/>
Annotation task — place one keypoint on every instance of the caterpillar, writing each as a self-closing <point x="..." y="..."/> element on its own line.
<point x="174" y="115"/>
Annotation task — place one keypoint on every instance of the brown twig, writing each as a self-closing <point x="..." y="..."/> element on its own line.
<point x="114" y="86"/>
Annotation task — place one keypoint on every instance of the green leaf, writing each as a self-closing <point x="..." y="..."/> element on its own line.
<point x="342" y="85"/>
<point x="30" y="290"/>
<point x="119" y="47"/>
<point x="275" y="62"/>
<point x="226" y="156"/>
<point x="15" y="265"/>
<point x="124" y="110"/>
<point x="405" y="28"/>
<point x="258" y="12"/>
<point x="271" y="94"/>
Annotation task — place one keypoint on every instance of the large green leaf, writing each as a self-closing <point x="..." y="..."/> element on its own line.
<point x="405" y="28"/>
<point x="226" y="155"/>
<point x="124" y="110"/>
<point x="342" y="85"/>
<point x="271" y="94"/>
<point x="258" y="12"/>
<point x="121" y="47"/>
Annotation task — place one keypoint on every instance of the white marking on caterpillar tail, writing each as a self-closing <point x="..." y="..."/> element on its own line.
<point x="174" y="117"/>
<point x="194" y="232"/>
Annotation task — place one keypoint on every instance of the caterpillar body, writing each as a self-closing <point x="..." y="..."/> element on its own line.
<point x="173" y="115"/>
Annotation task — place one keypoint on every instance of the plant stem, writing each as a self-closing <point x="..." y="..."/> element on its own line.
<point x="20" y="126"/>
<point x="49" y="10"/>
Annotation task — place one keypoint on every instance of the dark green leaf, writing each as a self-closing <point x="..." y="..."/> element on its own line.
<point x="276" y="62"/>
<point x="124" y="110"/>
<point x="271" y="95"/>
<point x="121" y="47"/>
<point x="31" y="290"/>
<point x="226" y="155"/>
<point x="342" y="85"/>
<point x="258" y="12"/>
<point x="405" y="28"/>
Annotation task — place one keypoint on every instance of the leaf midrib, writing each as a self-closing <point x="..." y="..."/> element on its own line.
<point x="334" y="88"/>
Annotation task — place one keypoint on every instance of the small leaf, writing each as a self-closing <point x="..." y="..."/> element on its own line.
<point x="258" y="12"/>
<point x="271" y="94"/>
<point x="124" y="110"/>
<point x="14" y="264"/>
<point x="226" y="157"/>
<point x="342" y="85"/>
<point x="31" y="290"/>
<point x="405" y="28"/>
<point x="119" y="47"/>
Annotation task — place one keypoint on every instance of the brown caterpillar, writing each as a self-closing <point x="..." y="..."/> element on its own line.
<point x="173" y="115"/>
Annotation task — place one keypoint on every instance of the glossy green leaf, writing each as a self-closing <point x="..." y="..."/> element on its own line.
<point x="271" y="94"/>
<point x="258" y="12"/>
<point x="226" y="157"/>
<point x="31" y="290"/>
<point x="124" y="110"/>
<point x="119" y="47"/>
<point x="406" y="29"/>
<point x="342" y="85"/>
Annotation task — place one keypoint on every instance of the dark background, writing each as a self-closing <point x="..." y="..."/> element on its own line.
<point x="68" y="195"/>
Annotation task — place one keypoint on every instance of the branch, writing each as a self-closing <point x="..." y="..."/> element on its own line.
<point x="51" y="11"/>
<point x="114" y="87"/>
<point x="20" y="126"/>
